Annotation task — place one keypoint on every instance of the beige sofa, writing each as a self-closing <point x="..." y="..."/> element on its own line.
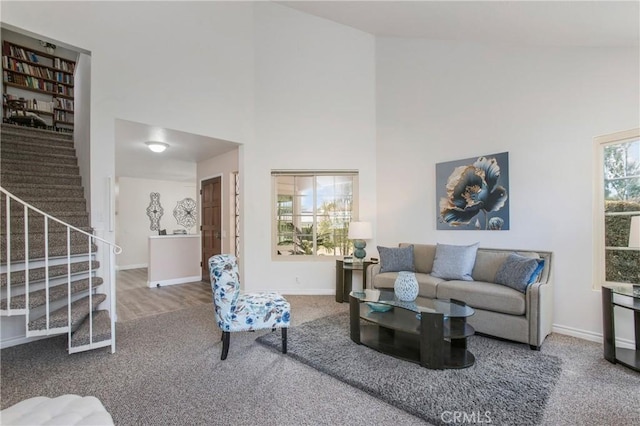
<point x="500" y="311"/>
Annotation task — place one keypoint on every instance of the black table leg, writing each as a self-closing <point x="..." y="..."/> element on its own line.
<point x="608" y="330"/>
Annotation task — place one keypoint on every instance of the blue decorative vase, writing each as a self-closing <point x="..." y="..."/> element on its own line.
<point x="406" y="286"/>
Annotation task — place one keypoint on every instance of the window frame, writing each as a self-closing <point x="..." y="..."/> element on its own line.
<point x="274" y="210"/>
<point x="599" y="256"/>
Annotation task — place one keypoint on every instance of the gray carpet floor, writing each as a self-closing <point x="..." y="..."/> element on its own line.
<point x="508" y="384"/>
<point x="167" y="371"/>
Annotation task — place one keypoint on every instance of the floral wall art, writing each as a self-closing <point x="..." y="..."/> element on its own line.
<point x="155" y="211"/>
<point x="473" y="194"/>
<point x="185" y="213"/>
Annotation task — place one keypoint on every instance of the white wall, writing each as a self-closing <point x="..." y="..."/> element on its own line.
<point x="82" y="121"/>
<point x="301" y="92"/>
<point x="140" y="52"/>
<point x="316" y="97"/>
<point x="133" y="224"/>
<point x="223" y="165"/>
<point x="442" y="101"/>
<point x="314" y="109"/>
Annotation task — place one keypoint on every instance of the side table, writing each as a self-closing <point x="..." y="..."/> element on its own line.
<point x="625" y="296"/>
<point x="344" y="278"/>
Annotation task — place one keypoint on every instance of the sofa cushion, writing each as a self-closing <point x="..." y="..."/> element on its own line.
<point x="516" y="272"/>
<point x="487" y="265"/>
<point x="484" y="295"/>
<point x="396" y="259"/>
<point x="427" y="284"/>
<point x="423" y="255"/>
<point x="488" y="261"/>
<point x="454" y="262"/>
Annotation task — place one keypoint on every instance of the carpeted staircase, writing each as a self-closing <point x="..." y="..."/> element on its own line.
<point x="65" y="293"/>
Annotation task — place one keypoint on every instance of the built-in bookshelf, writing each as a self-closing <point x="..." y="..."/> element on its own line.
<point x="38" y="83"/>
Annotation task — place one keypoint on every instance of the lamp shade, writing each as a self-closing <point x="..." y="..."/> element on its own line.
<point x="360" y="231"/>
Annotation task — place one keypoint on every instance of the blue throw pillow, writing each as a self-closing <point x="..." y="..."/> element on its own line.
<point x="394" y="259"/>
<point x="454" y="262"/>
<point x="516" y="272"/>
<point x="536" y="272"/>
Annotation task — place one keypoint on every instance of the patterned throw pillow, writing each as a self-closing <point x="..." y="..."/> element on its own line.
<point x="394" y="259"/>
<point x="517" y="271"/>
<point x="454" y="262"/>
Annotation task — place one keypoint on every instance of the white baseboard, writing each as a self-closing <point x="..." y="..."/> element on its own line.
<point x="183" y="280"/>
<point x="590" y="336"/>
<point x="15" y="341"/>
<point x="135" y="266"/>
<point x="309" y="292"/>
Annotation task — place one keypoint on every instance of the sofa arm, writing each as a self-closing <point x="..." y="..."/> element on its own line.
<point x="372" y="271"/>
<point x="539" y="312"/>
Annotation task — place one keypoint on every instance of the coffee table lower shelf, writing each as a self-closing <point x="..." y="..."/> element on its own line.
<point x="430" y="339"/>
<point x="406" y="346"/>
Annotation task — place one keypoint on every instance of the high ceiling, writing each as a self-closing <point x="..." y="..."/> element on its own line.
<point x="527" y="23"/>
<point x="541" y="23"/>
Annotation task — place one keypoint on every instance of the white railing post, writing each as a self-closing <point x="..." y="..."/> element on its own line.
<point x="46" y="267"/>
<point x="90" y="293"/>
<point x="113" y="315"/>
<point x="26" y="265"/>
<point x="8" y="237"/>
<point x="69" y="286"/>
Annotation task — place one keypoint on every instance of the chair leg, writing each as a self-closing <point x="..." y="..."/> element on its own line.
<point x="284" y="340"/>
<point x="225" y="344"/>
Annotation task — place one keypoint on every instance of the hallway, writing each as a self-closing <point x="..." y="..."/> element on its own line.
<point x="136" y="300"/>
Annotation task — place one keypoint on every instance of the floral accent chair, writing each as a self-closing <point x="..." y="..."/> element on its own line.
<point x="237" y="311"/>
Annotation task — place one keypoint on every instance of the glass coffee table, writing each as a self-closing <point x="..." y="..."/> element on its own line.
<point x="430" y="332"/>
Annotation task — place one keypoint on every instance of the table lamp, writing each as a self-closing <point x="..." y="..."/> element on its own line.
<point x="359" y="232"/>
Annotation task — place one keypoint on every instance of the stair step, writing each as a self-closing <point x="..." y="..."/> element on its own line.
<point x="101" y="329"/>
<point x="28" y="167"/>
<point x="36" y="241"/>
<point x="38" y="274"/>
<point x="36" y="221"/>
<point x="59" y="318"/>
<point x="37" y="252"/>
<point x="39" y="297"/>
<point x="57" y="235"/>
<point x="14" y="128"/>
<point x="26" y="145"/>
<point x="50" y="205"/>
<point x="7" y="178"/>
<point x="38" y="231"/>
<point x="11" y="153"/>
<point x="36" y="138"/>
<point x="29" y="192"/>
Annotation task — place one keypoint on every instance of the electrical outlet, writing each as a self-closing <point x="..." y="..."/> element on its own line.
<point x="297" y="280"/>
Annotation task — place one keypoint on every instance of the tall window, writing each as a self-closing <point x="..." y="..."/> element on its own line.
<point x="618" y="208"/>
<point x="312" y="211"/>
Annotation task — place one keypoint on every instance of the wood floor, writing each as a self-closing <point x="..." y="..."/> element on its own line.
<point x="136" y="300"/>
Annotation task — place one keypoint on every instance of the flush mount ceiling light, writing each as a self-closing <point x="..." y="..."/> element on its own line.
<point x="157" y="146"/>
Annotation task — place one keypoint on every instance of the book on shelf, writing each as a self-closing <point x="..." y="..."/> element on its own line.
<point x="34" y="105"/>
<point x="66" y="104"/>
<point x="26" y="70"/>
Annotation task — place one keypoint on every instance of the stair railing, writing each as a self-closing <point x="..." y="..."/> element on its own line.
<point x="46" y="262"/>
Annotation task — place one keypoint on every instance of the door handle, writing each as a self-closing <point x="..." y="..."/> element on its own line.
<point x="216" y="234"/>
